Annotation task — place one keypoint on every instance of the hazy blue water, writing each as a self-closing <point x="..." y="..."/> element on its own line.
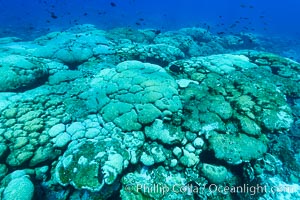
<point x="260" y="16"/>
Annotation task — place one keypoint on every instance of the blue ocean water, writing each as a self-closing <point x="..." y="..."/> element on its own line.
<point x="265" y="17"/>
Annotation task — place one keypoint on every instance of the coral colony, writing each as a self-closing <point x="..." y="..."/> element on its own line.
<point x="144" y="114"/>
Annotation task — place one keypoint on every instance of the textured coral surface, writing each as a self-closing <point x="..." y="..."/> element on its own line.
<point x="139" y="114"/>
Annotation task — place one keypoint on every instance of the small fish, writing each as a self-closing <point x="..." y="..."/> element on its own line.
<point x="113" y="4"/>
<point x="85" y="14"/>
<point x="244" y="18"/>
<point x="101" y="13"/>
<point x="138" y="23"/>
<point x="141" y="19"/>
<point x="53" y="16"/>
<point x="261" y="16"/>
<point x="220" y="33"/>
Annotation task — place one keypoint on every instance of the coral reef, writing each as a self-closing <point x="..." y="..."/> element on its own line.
<point x="144" y="114"/>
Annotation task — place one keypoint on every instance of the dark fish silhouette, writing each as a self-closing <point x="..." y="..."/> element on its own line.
<point x="53" y="16"/>
<point x="113" y="4"/>
<point x="244" y="18"/>
<point x="245" y="6"/>
<point x="101" y="13"/>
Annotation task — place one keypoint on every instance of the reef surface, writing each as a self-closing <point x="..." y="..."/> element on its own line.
<point x="143" y="114"/>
